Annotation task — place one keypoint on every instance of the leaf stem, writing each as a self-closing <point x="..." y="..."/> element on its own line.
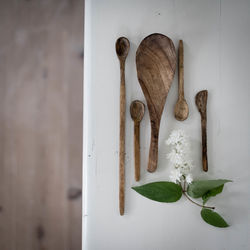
<point x="184" y="192"/>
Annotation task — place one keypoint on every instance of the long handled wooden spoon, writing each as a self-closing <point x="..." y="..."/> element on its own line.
<point x="137" y="109"/>
<point x="122" y="48"/>
<point x="201" y="103"/>
<point x="181" y="107"/>
<point x="156" y="64"/>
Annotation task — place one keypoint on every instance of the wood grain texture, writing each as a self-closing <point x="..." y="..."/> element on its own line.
<point x="156" y="64"/>
<point x="41" y="66"/>
<point x="137" y="110"/>
<point x="137" y="150"/>
<point x="122" y="48"/>
<point x="181" y="108"/>
<point x="122" y="141"/>
<point x="201" y="103"/>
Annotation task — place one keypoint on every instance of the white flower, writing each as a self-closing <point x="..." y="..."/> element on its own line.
<point x="177" y="136"/>
<point x="186" y="166"/>
<point x="175" y="157"/>
<point x="175" y="175"/>
<point x="179" y="148"/>
<point x="189" y="178"/>
<point x="180" y="157"/>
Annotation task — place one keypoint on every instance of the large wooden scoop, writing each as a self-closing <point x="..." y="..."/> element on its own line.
<point x="156" y="64"/>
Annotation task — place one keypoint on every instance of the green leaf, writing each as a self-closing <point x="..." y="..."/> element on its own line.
<point x="213" y="218"/>
<point x="163" y="191"/>
<point x="198" y="188"/>
<point x="212" y="192"/>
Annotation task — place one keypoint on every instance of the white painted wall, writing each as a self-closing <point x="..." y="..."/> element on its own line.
<point x="217" y="50"/>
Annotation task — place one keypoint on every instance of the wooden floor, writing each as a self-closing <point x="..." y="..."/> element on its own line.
<point x="41" y="66"/>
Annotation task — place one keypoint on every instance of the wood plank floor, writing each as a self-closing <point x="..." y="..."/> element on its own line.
<point x="41" y="66"/>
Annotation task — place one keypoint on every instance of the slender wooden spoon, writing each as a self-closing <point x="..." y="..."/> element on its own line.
<point x="156" y="64"/>
<point x="201" y="103"/>
<point x="137" y="109"/>
<point x="181" y="107"/>
<point x="122" y="48"/>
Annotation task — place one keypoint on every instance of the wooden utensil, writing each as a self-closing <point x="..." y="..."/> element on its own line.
<point x="201" y="103"/>
<point x="137" y="109"/>
<point x="122" y="48"/>
<point x="156" y="64"/>
<point x="181" y="107"/>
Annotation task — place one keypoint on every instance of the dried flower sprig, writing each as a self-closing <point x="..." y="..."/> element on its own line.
<point x="180" y="157"/>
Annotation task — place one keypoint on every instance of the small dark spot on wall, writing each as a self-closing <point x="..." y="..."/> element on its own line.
<point x="40" y="233"/>
<point x="81" y="55"/>
<point x="1" y="209"/>
<point x="74" y="193"/>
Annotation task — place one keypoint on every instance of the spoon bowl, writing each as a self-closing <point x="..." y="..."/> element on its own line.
<point x="137" y="109"/>
<point x="181" y="110"/>
<point x="122" y="47"/>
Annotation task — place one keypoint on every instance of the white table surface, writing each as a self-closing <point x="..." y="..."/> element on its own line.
<point x="217" y="50"/>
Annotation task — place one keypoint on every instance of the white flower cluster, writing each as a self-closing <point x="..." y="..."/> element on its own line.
<point x="180" y="157"/>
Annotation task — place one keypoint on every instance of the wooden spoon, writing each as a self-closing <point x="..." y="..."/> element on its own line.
<point x="122" y="48"/>
<point x="201" y="103"/>
<point x="156" y="64"/>
<point x="181" y="107"/>
<point x="137" y="109"/>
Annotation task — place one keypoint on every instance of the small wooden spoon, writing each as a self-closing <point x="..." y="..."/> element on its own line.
<point x="137" y="109"/>
<point x="181" y="107"/>
<point x="201" y="103"/>
<point x="122" y="48"/>
<point x="155" y="64"/>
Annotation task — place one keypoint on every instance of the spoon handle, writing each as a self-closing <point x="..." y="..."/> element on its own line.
<point x="181" y="70"/>
<point x="122" y="138"/>
<point x="137" y="150"/>
<point x="153" y="150"/>
<point x="204" y="141"/>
